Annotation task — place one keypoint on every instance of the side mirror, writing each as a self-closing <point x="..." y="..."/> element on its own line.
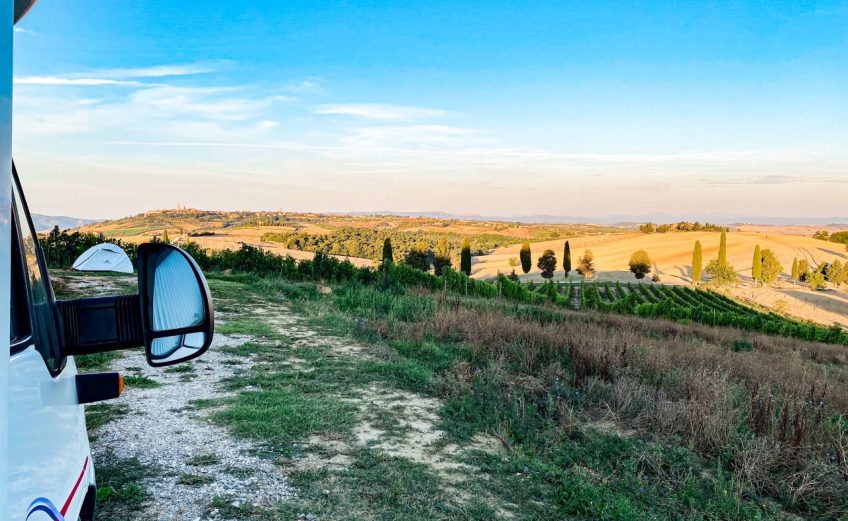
<point x="177" y="319"/>
<point x="172" y="315"/>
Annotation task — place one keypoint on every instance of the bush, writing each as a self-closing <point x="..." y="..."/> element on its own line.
<point x="547" y="264"/>
<point x="640" y="264"/>
<point x="417" y="258"/>
<point x="721" y="274"/>
<point x="815" y="280"/>
<point x="740" y="346"/>
<point x="586" y="265"/>
<point x="771" y="268"/>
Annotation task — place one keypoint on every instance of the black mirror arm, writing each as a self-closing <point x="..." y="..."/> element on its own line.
<point x="96" y="325"/>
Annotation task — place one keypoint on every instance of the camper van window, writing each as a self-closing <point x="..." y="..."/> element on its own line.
<point x="41" y="307"/>
<point x="20" y="327"/>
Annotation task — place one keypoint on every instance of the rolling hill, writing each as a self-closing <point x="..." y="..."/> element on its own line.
<point x="498" y="243"/>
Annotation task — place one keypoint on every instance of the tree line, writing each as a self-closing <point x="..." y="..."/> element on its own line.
<point x="840" y="237"/>
<point x="682" y="226"/>
<point x="366" y="243"/>
<point x="325" y="268"/>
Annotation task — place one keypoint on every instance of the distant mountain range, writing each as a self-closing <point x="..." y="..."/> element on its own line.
<point x="45" y="223"/>
<point x="623" y="219"/>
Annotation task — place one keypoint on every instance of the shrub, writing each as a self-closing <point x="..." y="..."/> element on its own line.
<point x="547" y="264"/>
<point x="721" y="274"/>
<point x="838" y="273"/>
<point x="770" y="268"/>
<point x="815" y="280"/>
<point x="441" y="258"/>
<point x="585" y="265"/>
<point x="803" y="270"/>
<point x="740" y="346"/>
<point x="417" y="258"/>
<point x="640" y="264"/>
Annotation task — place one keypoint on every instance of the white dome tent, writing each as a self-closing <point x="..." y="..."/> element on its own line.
<point x="104" y="257"/>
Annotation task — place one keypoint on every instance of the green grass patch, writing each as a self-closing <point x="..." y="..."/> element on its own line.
<point x="97" y="362"/>
<point x="281" y="416"/>
<point x="99" y="414"/>
<point x="120" y="493"/>
<point x="181" y="368"/>
<point x="204" y="403"/>
<point x="137" y="381"/>
<point x="194" y="480"/>
<point x="255" y="327"/>
<point x="203" y="460"/>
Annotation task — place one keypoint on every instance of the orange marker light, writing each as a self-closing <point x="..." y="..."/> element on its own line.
<point x="120" y="384"/>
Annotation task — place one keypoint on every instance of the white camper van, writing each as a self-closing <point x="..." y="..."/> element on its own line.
<point x="46" y="471"/>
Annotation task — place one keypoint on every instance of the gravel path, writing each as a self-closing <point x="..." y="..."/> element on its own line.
<point x="162" y="429"/>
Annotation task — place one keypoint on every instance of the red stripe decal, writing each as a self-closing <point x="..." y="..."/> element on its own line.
<point x="74" y="491"/>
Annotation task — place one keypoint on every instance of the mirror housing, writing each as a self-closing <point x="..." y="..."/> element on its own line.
<point x="171" y="316"/>
<point x="177" y="318"/>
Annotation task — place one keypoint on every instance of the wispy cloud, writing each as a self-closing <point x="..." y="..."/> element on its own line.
<point x="167" y="112"/>
<point x="128" y="77"/>
<point x="160" y="71"/>
<point x="306" y="86"/>
<point x="379" y="111"/>
<point x="65" y="81"/>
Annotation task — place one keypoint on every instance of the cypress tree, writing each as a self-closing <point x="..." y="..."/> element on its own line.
<point x="796" y="273"/>
<point x="757" y="265"/>
<point x="388" y="256"/>
<point x="697" y="263"/>
<point x="526" y="258"/>
<point x="165" y="237"/>
<point x="465" y="257"/>
<point x="722" y="250"/>
<point x="566" y="259"/>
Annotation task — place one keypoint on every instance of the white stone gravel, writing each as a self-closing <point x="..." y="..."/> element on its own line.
<point x="161" y="429"/>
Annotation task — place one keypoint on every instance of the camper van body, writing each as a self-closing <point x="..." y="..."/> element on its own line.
<point x="50" y="472"/>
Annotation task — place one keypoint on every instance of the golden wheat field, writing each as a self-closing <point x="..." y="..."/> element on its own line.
<point x="672" y="253"/>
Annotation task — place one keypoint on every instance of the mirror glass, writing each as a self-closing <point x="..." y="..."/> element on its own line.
<point x="176" y="298"/>
<point x="176" y="302"/>
<point x="177" y="347"/>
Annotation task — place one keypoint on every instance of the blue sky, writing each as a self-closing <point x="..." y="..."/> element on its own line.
<point x="496" y="108"/>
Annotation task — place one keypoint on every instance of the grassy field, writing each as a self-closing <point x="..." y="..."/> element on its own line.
<point x="385" y="402"/>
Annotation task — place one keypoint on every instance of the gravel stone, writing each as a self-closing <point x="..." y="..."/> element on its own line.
<point x="163" y="430"/>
